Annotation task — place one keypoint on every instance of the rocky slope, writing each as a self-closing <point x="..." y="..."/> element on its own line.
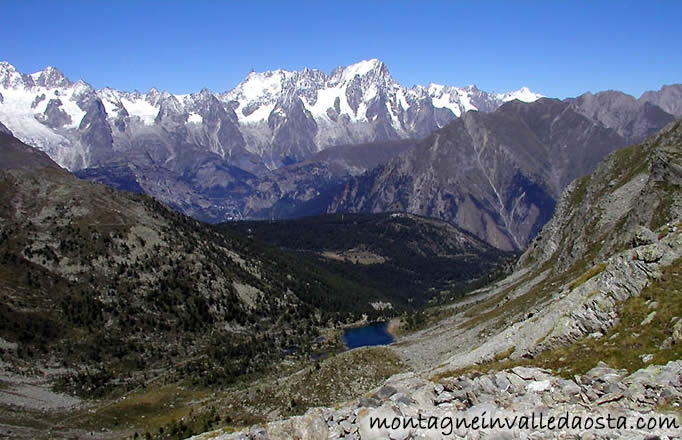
<point x="424" y="410"/>
<point x="102" y="291"/>
<point x="599" y="283"/>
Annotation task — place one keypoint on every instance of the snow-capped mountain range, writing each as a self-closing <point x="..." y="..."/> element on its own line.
<point x="270" y="119"/>
<point x="286" y="143"/>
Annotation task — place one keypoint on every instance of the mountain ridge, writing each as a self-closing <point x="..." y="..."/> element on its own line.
<point x="554" y="141"/>
<point x="257" y="108"/>
<point x="494" y="174"/>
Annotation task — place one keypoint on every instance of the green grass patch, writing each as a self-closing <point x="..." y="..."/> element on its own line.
<point x="627" y="341"/>
<point x="504" y="354"/>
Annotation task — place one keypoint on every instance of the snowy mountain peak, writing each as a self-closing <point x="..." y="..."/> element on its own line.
<point x="261" y="86"/>
<point x="523" y="94"/>
<point x="6" y="68"/>
<point x="365" y="67"/>
<point x="11" y="78"/>
<point x="371" y="70"/>
<point x="79" y="88"/>
<point x="50" y="78"/>
<point x="434" y="88"/>
<point x="277" y="116"/>
<point x="308" y="72"/>
<point x="205" y="93"/>
<point x="152" y="96"/>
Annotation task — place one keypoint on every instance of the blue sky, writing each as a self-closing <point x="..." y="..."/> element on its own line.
<point x="557" y="48"/>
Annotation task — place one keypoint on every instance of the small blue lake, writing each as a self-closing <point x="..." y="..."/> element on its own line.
<point x="372" y="334"/>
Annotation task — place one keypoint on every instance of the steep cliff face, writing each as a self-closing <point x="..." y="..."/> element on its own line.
<point x="494" y="174"/>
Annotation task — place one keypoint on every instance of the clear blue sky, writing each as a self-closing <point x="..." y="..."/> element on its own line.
<point x="557" y="48"/>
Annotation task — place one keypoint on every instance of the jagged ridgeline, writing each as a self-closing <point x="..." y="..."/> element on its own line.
<point x="211" y="154"/>
<point x="120" y="283"/>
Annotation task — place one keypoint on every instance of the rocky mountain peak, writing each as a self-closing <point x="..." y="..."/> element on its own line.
<point x="669" y="98"/>
<point x="153" y="96"/>
<point x="170" y="106"/>
<point x="51" y="78"/>
<point x="372" y="70"/>
<point x="314" y="74"/>
<point x="81" y="88"/>
<point x="204" y="94"/>
<point x="11" y="78"/>
<point x="631" y="118"/>
<point x="260" y="86"/>
<point x="523" y="94"/>
<point x="367" y="67"/>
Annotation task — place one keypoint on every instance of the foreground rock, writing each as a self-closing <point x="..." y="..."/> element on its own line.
<point x="428" y="410"/>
